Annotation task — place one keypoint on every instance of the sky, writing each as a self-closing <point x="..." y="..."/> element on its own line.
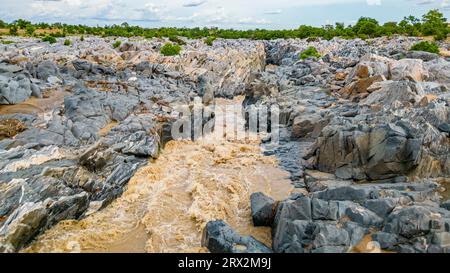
<point x="237" y="14"/>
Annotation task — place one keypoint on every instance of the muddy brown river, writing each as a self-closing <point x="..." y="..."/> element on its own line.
<point x="169" y="201"/>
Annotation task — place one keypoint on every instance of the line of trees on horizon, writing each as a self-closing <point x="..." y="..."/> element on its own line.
<point x="432" y="23"/>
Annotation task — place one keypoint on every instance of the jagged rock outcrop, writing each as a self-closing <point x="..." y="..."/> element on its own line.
<point x="101" y="114"/>
<point x="375" y="118"/>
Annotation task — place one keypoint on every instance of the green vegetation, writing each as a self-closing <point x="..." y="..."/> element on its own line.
<point x="6" y="42"/>
<point x="67" y="42"/>
<point x="209" y="41"/>
<point x="22" y="24"/>
<point x="116" y="44"/>
<point x="30" y="30"/>
<point x="431" y="24"/>
<point x="13" y="30"/>
<point x="49" y="38"/>
<point x="82" y="38"/>
<point x="177" y="40"/>
<point x="170" y="49"/>
<point x="309" y="52"/>
<point x="435" y="24"/>
<point x="426" y="46"/>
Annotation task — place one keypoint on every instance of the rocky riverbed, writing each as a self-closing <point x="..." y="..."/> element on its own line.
<point x="85" y="139"/>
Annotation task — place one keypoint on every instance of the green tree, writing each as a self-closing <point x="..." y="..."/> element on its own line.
<point x="434" y="23"/>
<point x="22" y="24"/>
<point x="366" y="26"/>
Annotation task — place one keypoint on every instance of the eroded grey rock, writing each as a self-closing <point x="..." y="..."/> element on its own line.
<point x="218" y="237"/>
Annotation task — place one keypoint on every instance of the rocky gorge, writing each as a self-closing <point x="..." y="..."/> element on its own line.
<point x="363" y="153"/>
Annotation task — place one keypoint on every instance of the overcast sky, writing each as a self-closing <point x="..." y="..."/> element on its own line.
<point x="241" y="14"/>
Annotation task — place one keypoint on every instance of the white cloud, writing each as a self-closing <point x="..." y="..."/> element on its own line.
<point x="273" y="12"/>
<point x="224" y="13"/>
<point x="193" y="4"/>
<point x="425" y="2"/>
<point x="374" y="2"/>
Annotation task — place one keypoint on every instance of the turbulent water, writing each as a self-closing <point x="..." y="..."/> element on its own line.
<point x="169" y="201"/>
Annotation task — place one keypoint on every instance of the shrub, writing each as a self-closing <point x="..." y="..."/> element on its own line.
<point x="49" y="38"/>
<point x="59" y="34"/>
<point x="170" y="49"/>
<point x="176" y="39"/>
<point x="82" y="38"/>
<point x="117" y="43"/>
<point x="426" y="46"/>
<point x="440" y="36"/>
<point x="310" y="52"/>
<point x="209" y="41"/>
<point x="13" y="30"/>
<point x="67" y="42"/>
<point x="30" y="30"/>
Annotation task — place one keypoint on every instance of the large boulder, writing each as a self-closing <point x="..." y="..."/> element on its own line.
<point x="380" y="152"/>
<point x="25" y="223"/>
<point x="219" y="237"/>
<point x="46" y="69"/>
<point x="411" y="221"/>
<point x="308" y="125"/>
<point x="439" y="71"/>
<point x="303" y="236"/>
<point x="14" y="90"/>
<point x="388" y="93"/>
<point x="263" y="209"/>
<point x="422" y="55"/>
<point x="409" y="69"/>
<point x="67" y="207"/>
<point x="362" y="76"/>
